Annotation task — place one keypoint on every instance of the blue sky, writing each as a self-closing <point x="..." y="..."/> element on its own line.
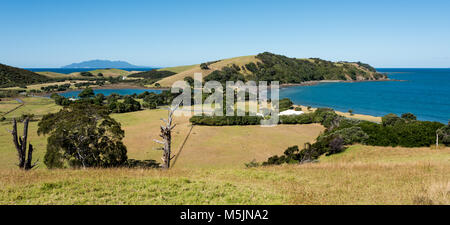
<point x="51" y="33"/>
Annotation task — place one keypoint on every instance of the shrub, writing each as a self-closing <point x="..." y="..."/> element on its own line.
<point x="336" y="145"/>
<point x="86" y="74"/>
<point x="409" y="117"/>
<point x="87" y="93"/>
<point x="285" y="104"/>
<point x="391" y="120"/>
<point x="350" y="135"/>
<point x="252" y="164"/>
<point x="204" y="66"/>
<point x="412" y="134"/>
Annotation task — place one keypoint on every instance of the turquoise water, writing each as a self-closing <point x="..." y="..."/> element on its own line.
<point x="425" y="93"/>
<point x="107" y="92"/>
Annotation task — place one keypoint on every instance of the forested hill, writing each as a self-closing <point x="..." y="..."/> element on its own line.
<point x="12" y="77"/>
<point x="272" y="67"/>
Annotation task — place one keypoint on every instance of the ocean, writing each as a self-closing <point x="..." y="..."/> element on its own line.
<point x="424" y="92"/>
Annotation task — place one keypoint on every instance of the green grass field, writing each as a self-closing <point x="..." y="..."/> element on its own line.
<point x="210" y="169"/>
<point x="340" y="179"/>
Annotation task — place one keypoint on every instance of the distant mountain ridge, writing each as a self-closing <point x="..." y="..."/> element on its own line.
<point x="103" y="64"/>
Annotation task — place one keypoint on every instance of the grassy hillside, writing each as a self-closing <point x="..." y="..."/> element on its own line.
<point x="271" y="67"/>
<point x="189" y="71"/>
<point x="178" y="69"/>
<point x="12" y="77"/>
<point x="412" y="177"/>
<point x="55" y="75"/>
<point x="210" y="168"/>
<point x="106" y="73"/>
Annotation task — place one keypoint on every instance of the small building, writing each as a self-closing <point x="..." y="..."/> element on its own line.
<point x="291" y="112"/>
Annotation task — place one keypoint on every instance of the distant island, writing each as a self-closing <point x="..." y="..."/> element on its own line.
<point x="103" y="64"/>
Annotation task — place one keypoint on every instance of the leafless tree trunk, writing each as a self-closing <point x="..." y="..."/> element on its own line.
<point x="437" y="140"/>
<point x="21" y="146"/>
<point x="166" y="135"/>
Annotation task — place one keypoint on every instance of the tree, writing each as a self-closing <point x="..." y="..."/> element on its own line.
<point x="285" y="104"/>
<point x="409" y="117"/>
<point x="21" y="146"/>
<point x="83" y="135"/>
<point x="166" y="135"/>
<point x="86" y="74"/>
<point x="336" y="145"/>
<point x="351" y="112"/>
<point x="87" y="93"/>
<point x="190" y="81"/>
<point x="391" y="120"/>
<point x="204" y="66"/>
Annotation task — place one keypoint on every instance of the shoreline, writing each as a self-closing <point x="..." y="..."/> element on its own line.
<point x="312" y="83"/>
<point x="366" y="117"/>
<point x="104" y="87"/>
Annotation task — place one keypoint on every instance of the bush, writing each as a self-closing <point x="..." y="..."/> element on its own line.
<point x="412" y="134"/>
<point x="336" y="145"/>
<point x="87" y="93"/>
<point x="252" y="164"/>
<point x="285" y="104"/>
<point x="86" y="74"/>
<point x="409" y="117"/>
<point x="351" y="135"/>
<point x="204" y="66"/>
<point x="391" y="120"/>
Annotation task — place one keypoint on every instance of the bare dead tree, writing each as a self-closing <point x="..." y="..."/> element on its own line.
<point x="166" y="135"/>
<point x="21" y="146"/>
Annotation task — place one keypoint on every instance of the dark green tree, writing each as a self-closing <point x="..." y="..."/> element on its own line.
<point x="391" y="120"/>
<point x="409" y="117"/>
<point x="87" y="93"/>
<point x="83" y="135"/>
<point x="190" y="81"/>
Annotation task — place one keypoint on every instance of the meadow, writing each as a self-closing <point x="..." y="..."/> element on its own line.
<point x="343" y="179"/>
<point x="210" y="168"/>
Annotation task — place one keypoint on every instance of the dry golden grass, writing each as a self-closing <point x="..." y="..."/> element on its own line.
<point x="179" y="69"/>
<point x="232" y="147"/>
<point x="225" y="147"/>
<point x="334" y="180"/>
<point x="105" y="72"/>
<point x="143" y="126"/>
<point x="56" y="75"/>
<point x="191" y="70"/>
<point x="38" y="86"/>
<point x="7" y="105"/>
